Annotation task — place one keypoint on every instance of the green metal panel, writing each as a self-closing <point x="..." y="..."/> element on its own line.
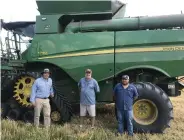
<point x="6" y="67"/>
<point x="150" y="37"/>
<point x="47" y="24"/>
<point x="53" y="44"/>
<point x="78" y="6"/>
<point x="148" y="53"/>
<point x="75" y="52"/>
<point x="62" y="44"/>
<point x="162" y="50"/>
<point x="161" y="61"/>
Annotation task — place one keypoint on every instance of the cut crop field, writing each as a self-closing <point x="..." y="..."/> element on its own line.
<point x="105" y="128"/>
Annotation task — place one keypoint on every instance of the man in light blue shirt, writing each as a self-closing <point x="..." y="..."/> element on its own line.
<point x="88" y="87"/>
<point x="41" y="90"/>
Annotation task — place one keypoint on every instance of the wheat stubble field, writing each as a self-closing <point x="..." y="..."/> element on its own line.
<point x="105" y="128"/>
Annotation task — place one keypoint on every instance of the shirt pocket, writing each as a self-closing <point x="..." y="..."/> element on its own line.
<point x="119" y="90"/>
<point x="82" y="85"/>
<point x="130" y="93"/>
<point x="49" y="84"/>
<point x="91" y="86"/>
<point x="41" y="86"/>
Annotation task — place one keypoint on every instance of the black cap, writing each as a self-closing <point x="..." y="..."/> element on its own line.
<point x="126" y="77"/>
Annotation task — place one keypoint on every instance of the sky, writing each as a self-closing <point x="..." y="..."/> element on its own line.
<point x="26" y="10"/>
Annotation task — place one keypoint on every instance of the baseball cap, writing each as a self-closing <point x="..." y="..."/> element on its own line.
<point x="126" y="77"/>
<point x="46" y="70"/>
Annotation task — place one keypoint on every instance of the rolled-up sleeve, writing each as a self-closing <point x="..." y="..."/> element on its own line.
<point x="51" y="88"/>
<point x="135" y="92"/>
<point x="97" y="88"/>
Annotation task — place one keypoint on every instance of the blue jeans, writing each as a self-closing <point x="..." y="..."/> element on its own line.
<point x="125" y="115"/>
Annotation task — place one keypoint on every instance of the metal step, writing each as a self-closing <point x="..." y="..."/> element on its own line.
<point x="16" y="63"/>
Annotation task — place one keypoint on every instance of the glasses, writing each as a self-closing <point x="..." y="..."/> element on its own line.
<point x="88" y="72"/>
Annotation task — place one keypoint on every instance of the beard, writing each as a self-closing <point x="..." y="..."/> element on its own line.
<point x="125" y="83"/>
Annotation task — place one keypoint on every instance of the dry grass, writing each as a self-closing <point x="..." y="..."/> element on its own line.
<point x="105" y="129"/>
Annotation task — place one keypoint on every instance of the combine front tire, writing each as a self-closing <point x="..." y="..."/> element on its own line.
<point x="153" y="109"/>
<point x="62" y="104"/>
<point x="56" y="116"/>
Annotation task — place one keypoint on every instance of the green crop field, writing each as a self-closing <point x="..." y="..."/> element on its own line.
<point x="105" y="128"/>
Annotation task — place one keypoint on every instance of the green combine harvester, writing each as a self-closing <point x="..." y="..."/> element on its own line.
<point x="70" y="36"/>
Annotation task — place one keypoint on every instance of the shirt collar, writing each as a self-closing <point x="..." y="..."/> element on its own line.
<point x="125" y="88"/>
<point x="44" y="79"/>
<point x="88" y="79"/>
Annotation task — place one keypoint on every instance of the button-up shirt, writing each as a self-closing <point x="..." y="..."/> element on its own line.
<point x="42" y="88"/>
<point x="88" y="89"/>
<point x="125" y="96"/>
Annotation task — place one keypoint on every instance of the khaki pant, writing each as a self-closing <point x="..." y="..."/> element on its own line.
<point x="39" y="105"/>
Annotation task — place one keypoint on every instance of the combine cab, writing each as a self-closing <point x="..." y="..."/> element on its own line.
<point x="95" y="34"/>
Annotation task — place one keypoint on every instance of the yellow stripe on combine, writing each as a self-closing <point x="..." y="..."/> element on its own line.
<point x="118" y="50"/>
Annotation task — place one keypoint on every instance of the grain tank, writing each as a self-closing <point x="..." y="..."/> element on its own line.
<point x="71" y="36"/>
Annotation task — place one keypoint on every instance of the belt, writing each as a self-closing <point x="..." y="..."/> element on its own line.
<point x="42" y="98"/>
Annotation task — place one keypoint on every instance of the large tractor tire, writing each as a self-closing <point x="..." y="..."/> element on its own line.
<point x="153" y="110"/>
